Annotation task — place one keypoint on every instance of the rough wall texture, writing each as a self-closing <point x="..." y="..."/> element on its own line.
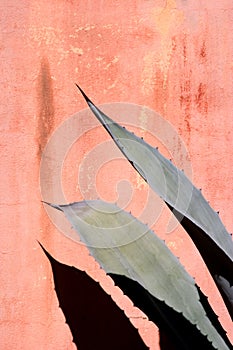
<point x="173" y="56"/>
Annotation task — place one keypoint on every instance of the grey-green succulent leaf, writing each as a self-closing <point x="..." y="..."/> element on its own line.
<point x="123" y="245"/>
<point x="186" y="201"/>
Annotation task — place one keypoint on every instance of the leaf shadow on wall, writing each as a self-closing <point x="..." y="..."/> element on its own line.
<point x="96" y="322"/>
<point x="176" y="332"/>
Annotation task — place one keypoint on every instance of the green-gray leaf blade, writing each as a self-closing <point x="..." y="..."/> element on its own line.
<point x="178" y="192"/>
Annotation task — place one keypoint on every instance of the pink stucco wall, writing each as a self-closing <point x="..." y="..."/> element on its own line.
<point x="172" y="56"/>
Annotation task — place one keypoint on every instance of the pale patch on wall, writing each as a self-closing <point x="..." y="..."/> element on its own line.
<point x="166" y="20"/>
<point x="148" y="73"/>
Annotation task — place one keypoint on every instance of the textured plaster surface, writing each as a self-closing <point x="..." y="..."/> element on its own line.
<point x="174" y="57"/>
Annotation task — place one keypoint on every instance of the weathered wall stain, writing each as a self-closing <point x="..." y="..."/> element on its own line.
<point x="201" y="99"/>
<point x="45" y="105"/>
<point x="185" y="54"/>
<point x="186" y="96"/>
<point x="203" y="52"/>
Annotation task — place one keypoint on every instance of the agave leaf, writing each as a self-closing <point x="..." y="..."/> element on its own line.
<point x="96" y="322"/>
<point x="189" y="206"/>
<point x="122" y="245"/>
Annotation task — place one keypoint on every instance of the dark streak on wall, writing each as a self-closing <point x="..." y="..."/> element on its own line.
<point x="45" y="105"/>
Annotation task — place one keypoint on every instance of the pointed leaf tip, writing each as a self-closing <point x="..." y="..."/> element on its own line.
<point x="83" y="93"/>
<point x="53" y="205"/>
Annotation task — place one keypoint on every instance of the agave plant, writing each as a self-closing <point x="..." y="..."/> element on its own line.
<point x="141" y="264"/>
